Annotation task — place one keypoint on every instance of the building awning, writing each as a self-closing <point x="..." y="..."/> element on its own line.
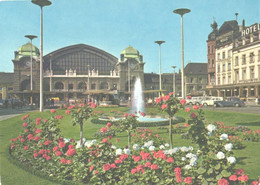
<point x="98" y="92"/>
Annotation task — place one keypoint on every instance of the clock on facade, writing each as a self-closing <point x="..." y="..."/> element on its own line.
<point x="133" y="65"/>
<point x="27" y="63"/>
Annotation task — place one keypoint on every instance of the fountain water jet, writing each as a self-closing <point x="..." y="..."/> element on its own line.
<point x="137" y="98"/>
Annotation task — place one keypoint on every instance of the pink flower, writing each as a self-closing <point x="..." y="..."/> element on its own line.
<point x="93" y="105"/>
<point x="58" y="153"/>
<point x="26" y="130"/>
<point x="158" y="100"/>
<point x="177" y="170"/>
<point x="106" y="167"/>
<point x="47" y="143"/>
<point x="104" y="140"/>
<point x="63" y="160"/>
<point x="113" y="165"/>
<point x="243" y="178"/>
<point x="26" y="116"/>
<point x="118" y="161"/>
<point x="254" y="183"/>
<point x="196" y="107"/>
<point x="240" y="171"/>
<point x="71" y="152"/>
<point x="109" y="137"/>
<point x="69" y="161"/>
<point x="223" y="182"/>
<point x="143" y="114"/>
<point x="166" y="98"/>
<point x="25" y="124"/>
<point x="137" y="158"/>
<point x="109" y="125"/>
<point x="171" y="93"/>
<point x="164" y="106"/>
<point x="148" y="164"/>
<point x="58" y="117"/>
<point x="48" y="158"/>
<point x="62" y="144"/>
<point x="103" y="129"/>
<point x="96" y="172"/>
<point x="183" y="101"/>
<point x="188" y="180"/>
<point x="187" y="109"/>
<point x="38" y="131"/>
<point x="126" y="115"/>
<point x="186" y="125"/>
<point x="71" y="146"/>
<point x="117" y="139"/>
<point x="154" y="167"/>
<point x="55" y="149"/>
<point x="170" y="160"/>
<point x="188" y="97"/>
<point x="193" y="115"/>
<point x="91" y="168"/>
<point x="132" y="115"/>
<point x="134" y="170"/>
<point x="67" y="112"/>
<point x="53" y="111"/>
<point x="233" y="178"/>
<point x="26" y="147"/>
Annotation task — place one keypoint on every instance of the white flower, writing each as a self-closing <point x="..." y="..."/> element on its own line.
<point x="209" y="133"/>
<point x="198" y="152"/>
<point x="162" y="147"/>
<point x="183" y="159"/>
<point x="220" y="155"/>
<point x="228" y="146"/>
<point x="151" y="148"/>
<point x="78" y="145"/>
<point x="127" y="151"/>
<point x="66" y="140"/>
<point x="148" y="144"/>
<point x="136" y="147"/>
<point x="184" y="149"/>
<point x="167" y="145"/>
<point x="173" y="150"/>
<point x="231" y="160"/>
<point x="166" y="152"/>
<point x="189" y="155"/>
<point x="187" y="167"/>
<point x="211" y="128"/>
<point x="193" y="161"/>
<point x="190" y="148"/>
<point x="119" y="151"/>
<point x="224" y="137"/>
<point x="113" y="147"/>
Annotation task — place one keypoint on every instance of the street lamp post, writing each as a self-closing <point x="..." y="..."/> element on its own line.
<point x="88" y="82"/>
<point x="50" y="73"/>
<point x="181" y="12"/>
<point x="31" y="37"/>
<point x="174" y="87"/>
<point x="159" y="42"/>
<point x="41" y="3"/>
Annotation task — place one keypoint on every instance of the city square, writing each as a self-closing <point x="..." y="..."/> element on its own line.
<point x="128" y="93"/>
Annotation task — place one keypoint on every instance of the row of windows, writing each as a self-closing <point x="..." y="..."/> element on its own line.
<point x="245" y="58"/>
<point x="83" y="86"/>
<point x="224" y="55"/>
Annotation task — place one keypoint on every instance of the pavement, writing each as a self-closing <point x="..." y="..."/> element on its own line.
<point x="9" y="112"/>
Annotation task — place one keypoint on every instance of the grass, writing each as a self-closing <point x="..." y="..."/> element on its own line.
<point x="248" y="158"/>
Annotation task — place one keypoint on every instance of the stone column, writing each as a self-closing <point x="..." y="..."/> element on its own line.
<point x="4" y="92"/>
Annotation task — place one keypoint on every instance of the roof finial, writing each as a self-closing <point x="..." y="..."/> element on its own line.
<point x="236" y="15"/>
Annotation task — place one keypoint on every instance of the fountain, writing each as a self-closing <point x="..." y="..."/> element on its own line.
<point x="137" y="106"/>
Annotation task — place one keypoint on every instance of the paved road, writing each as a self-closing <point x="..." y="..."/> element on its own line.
<point x="9" y="113"/>
<point x="247" y="109"/>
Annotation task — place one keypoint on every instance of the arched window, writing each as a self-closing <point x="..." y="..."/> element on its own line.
<point x="82" y="86"/>
<point x="104" y="85"/>
<point x="25" y="85"/>
<point x="93" y="86"/>
<point x="59" y="85"/>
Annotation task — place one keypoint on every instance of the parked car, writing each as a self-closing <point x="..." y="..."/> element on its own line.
<point x="230" y="102"/>
<point x="209" y="101"/>
<point x="195" y="100"/>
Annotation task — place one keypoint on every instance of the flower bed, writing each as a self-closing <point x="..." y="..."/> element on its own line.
<point x="149" y="160"/>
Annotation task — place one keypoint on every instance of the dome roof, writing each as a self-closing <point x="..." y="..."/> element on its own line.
<point x="25" y="50"/>
<point x="130" y="51"/>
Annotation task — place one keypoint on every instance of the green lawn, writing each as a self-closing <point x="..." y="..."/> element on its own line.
<point x="248" y="158"/>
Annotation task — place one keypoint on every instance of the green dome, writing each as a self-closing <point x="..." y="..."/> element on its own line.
<point x="130" y="51"/>
<point x="25" y="50"/>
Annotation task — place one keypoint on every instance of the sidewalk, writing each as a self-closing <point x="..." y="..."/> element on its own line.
<point x="9" y="112"/>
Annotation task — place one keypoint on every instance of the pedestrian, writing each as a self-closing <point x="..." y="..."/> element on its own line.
<point x="6" y="103"/>
<point x="257" y="100"/>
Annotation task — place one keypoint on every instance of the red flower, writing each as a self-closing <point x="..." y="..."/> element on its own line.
<point x="45" y="120"/>
<point x="154" y="167"/>
<point x="71" y="152"/>
<point x="123" y="157"/>
<point x="47" y="143"/>
<point x="38" y="131"/>
<point x="158" y="100"/>
<point x="48" y="158"/>
<point x="37" y="138"/>
<point x="188" y="180"/>
<point x="109" y="137"/>
<point x="69" y="161"/>
<point x="26" y="116"/>
<point x="254" y="183"/>
<point x="137" y="158"/>
<point x="26" y="147"/>
<point x="143" y="114"/>
<point x="53" y="110"/>
<point x="117" y="139"/>
<point x="35" y="155"/>
<point x="58" y="153"/>
<point x="63" y="160"/>
<point x="106" y="167"/>
<point x="233" y="178"/>
<point x="166" y="98"/>
<point x="93" y="105"/>
<point x="223" y="182"/>
<point x="104" y="140"/>
<point x="126" y="115"/>
<point x="177" y="170"/>
<point x="55" y="149"/>
<point x="187" y="109"/>
<point x="118" y="161"/>
<point x="188" y="97"/>
<point x="132" y="115"/>
<point x="113" y="165"/>
<point x="193" y="115"/>
<point x="67" y="112"/>
<point x="103" y="129"/>
<point x="26" y="130"/>
<point x="164" y="106"/>
<point x="58" y="117"/>
<point x="62" y="144"/>
<point x="96" y="172"/>
<point x="25" y="124"/>
<point x="109" y="125"/>
<point x="91" y="168"/>
<point x="196" y="107"/>
<point x="183" y="101"/>
<point x="170" y="160"/>
<point x="243" y="178"/>
<point x="71" y="146"/>
<point x="186" y="125"/>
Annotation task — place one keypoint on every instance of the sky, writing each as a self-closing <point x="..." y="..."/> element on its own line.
<point x="113" y="25"/>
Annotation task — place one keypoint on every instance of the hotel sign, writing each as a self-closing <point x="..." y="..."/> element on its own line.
<point x="250" y="29"/>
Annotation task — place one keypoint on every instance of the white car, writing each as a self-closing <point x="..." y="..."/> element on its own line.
<point x="209" y="101"/>
<point x="195" y="100"/>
